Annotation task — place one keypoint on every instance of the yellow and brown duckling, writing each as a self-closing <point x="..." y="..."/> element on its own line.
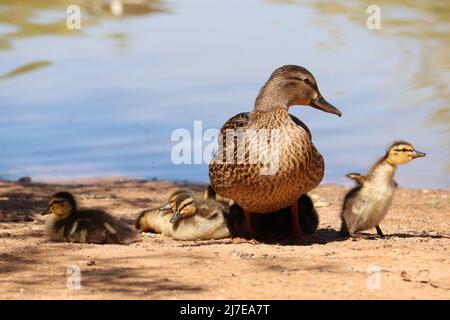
<point x="184" y="217"/>
<point x="68" y="223"/>
<point x="271" y="227"/>
<point x="211" y="194"/>
<point x="156" y="220"/>
<point x="296" y="167"/>
<point x="366" y="205"/>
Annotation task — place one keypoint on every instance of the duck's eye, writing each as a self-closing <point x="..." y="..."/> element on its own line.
<point x="307" y="80"/>
<point x="402" y="150"/>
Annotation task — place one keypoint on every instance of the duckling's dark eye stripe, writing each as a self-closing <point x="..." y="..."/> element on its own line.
<point x="185" y="204"/>
<point x="57" y="202"/>
<point x="402" y="150"/>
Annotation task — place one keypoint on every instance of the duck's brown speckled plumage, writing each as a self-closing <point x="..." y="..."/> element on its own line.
<point x="301" y="166"/>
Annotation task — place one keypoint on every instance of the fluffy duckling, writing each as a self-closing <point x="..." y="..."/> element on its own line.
<point x="185" y="218"/>
<point x="211" y="194"/>
<point x="156" y="220"/>
<point x="70" y="224"/>
<point x="276" y="226"/>
<point x="366" y="205"/>
<point x="270" y="227"/>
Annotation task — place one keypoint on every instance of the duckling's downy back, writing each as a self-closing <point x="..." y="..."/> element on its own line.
<point x="67" y="223"/>
<point x="92" y="226"/>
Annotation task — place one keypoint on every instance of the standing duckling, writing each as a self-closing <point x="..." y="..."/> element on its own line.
<point x="67" y="223"/>
<point x="366" y="205"/>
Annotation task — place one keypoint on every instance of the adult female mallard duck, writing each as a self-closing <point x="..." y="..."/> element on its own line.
<point x="266" y="159"/>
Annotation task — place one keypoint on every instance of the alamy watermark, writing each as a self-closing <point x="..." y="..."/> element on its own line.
<point x="73" y="277"/>
<point x="235" y="146"/>
<point x="374" y="20"/>
<point x="373" y="277"/>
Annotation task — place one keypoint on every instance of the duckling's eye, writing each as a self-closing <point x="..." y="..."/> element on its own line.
<point x="403" y="150"/>
<point x="185" y="205"/>
<point x="307" y="81"/>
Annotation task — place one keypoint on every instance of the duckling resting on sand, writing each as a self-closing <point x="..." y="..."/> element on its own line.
<point x="366" y="205"/>
<point x="70" y="224"/>
<point x="270" y="227"/>
<point x="184" y="217"/>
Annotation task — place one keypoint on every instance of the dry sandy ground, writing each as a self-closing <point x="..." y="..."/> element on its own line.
<point x="413" y="262"/>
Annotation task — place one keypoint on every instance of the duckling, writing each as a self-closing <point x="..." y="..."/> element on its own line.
<point x="185" y="218"/>
<point x="295" y="166"/>
<point x="67" y="223"/>
<point x="270" y="227"/>
<point x="273" y="227"/>
<point x="155" y="219"/>
<point x="211" y="194"/>
<point x="151" y="220"/>
<point x="366" y="205"/>
<point x="171" y="202"/>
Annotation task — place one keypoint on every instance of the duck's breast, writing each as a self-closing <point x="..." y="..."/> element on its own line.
<point x="278" y="165"/>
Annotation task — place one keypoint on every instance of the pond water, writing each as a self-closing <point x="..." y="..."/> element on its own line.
<point x="105" y="99"/>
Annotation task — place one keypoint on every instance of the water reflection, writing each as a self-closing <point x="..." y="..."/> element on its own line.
<point x="43" y="18"/>
<point x="426" y="22"/>
<point x="104" y="100"/>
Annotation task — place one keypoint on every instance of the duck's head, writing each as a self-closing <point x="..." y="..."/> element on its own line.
<point x="292" y="85"/>
<point x="401" y="152"/>
<point x="62" y="204"/>
<point x="185" y="206"/>
<point x="170" y="205"/>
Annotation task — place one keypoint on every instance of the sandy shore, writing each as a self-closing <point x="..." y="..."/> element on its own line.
<point x="413" y="262"/>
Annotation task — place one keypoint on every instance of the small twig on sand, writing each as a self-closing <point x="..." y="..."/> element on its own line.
<point x="223" y="241"/>
<point x="207" y="243"/>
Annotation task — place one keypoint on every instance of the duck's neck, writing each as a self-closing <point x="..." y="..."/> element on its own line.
<point x="270" y="98"/>
<point x="383" y="171"/>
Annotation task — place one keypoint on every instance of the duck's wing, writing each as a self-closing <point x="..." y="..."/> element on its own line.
<point x="233" y="127"/>
<point x="301" y="124"/>
<point x="236" y="122"/>
<point x="359" y="178"/>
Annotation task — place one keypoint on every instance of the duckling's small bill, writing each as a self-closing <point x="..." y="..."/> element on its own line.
<point x="176" y="217"/>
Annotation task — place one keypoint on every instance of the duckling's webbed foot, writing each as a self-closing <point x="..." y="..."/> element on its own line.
<point x="238" y="240"/>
